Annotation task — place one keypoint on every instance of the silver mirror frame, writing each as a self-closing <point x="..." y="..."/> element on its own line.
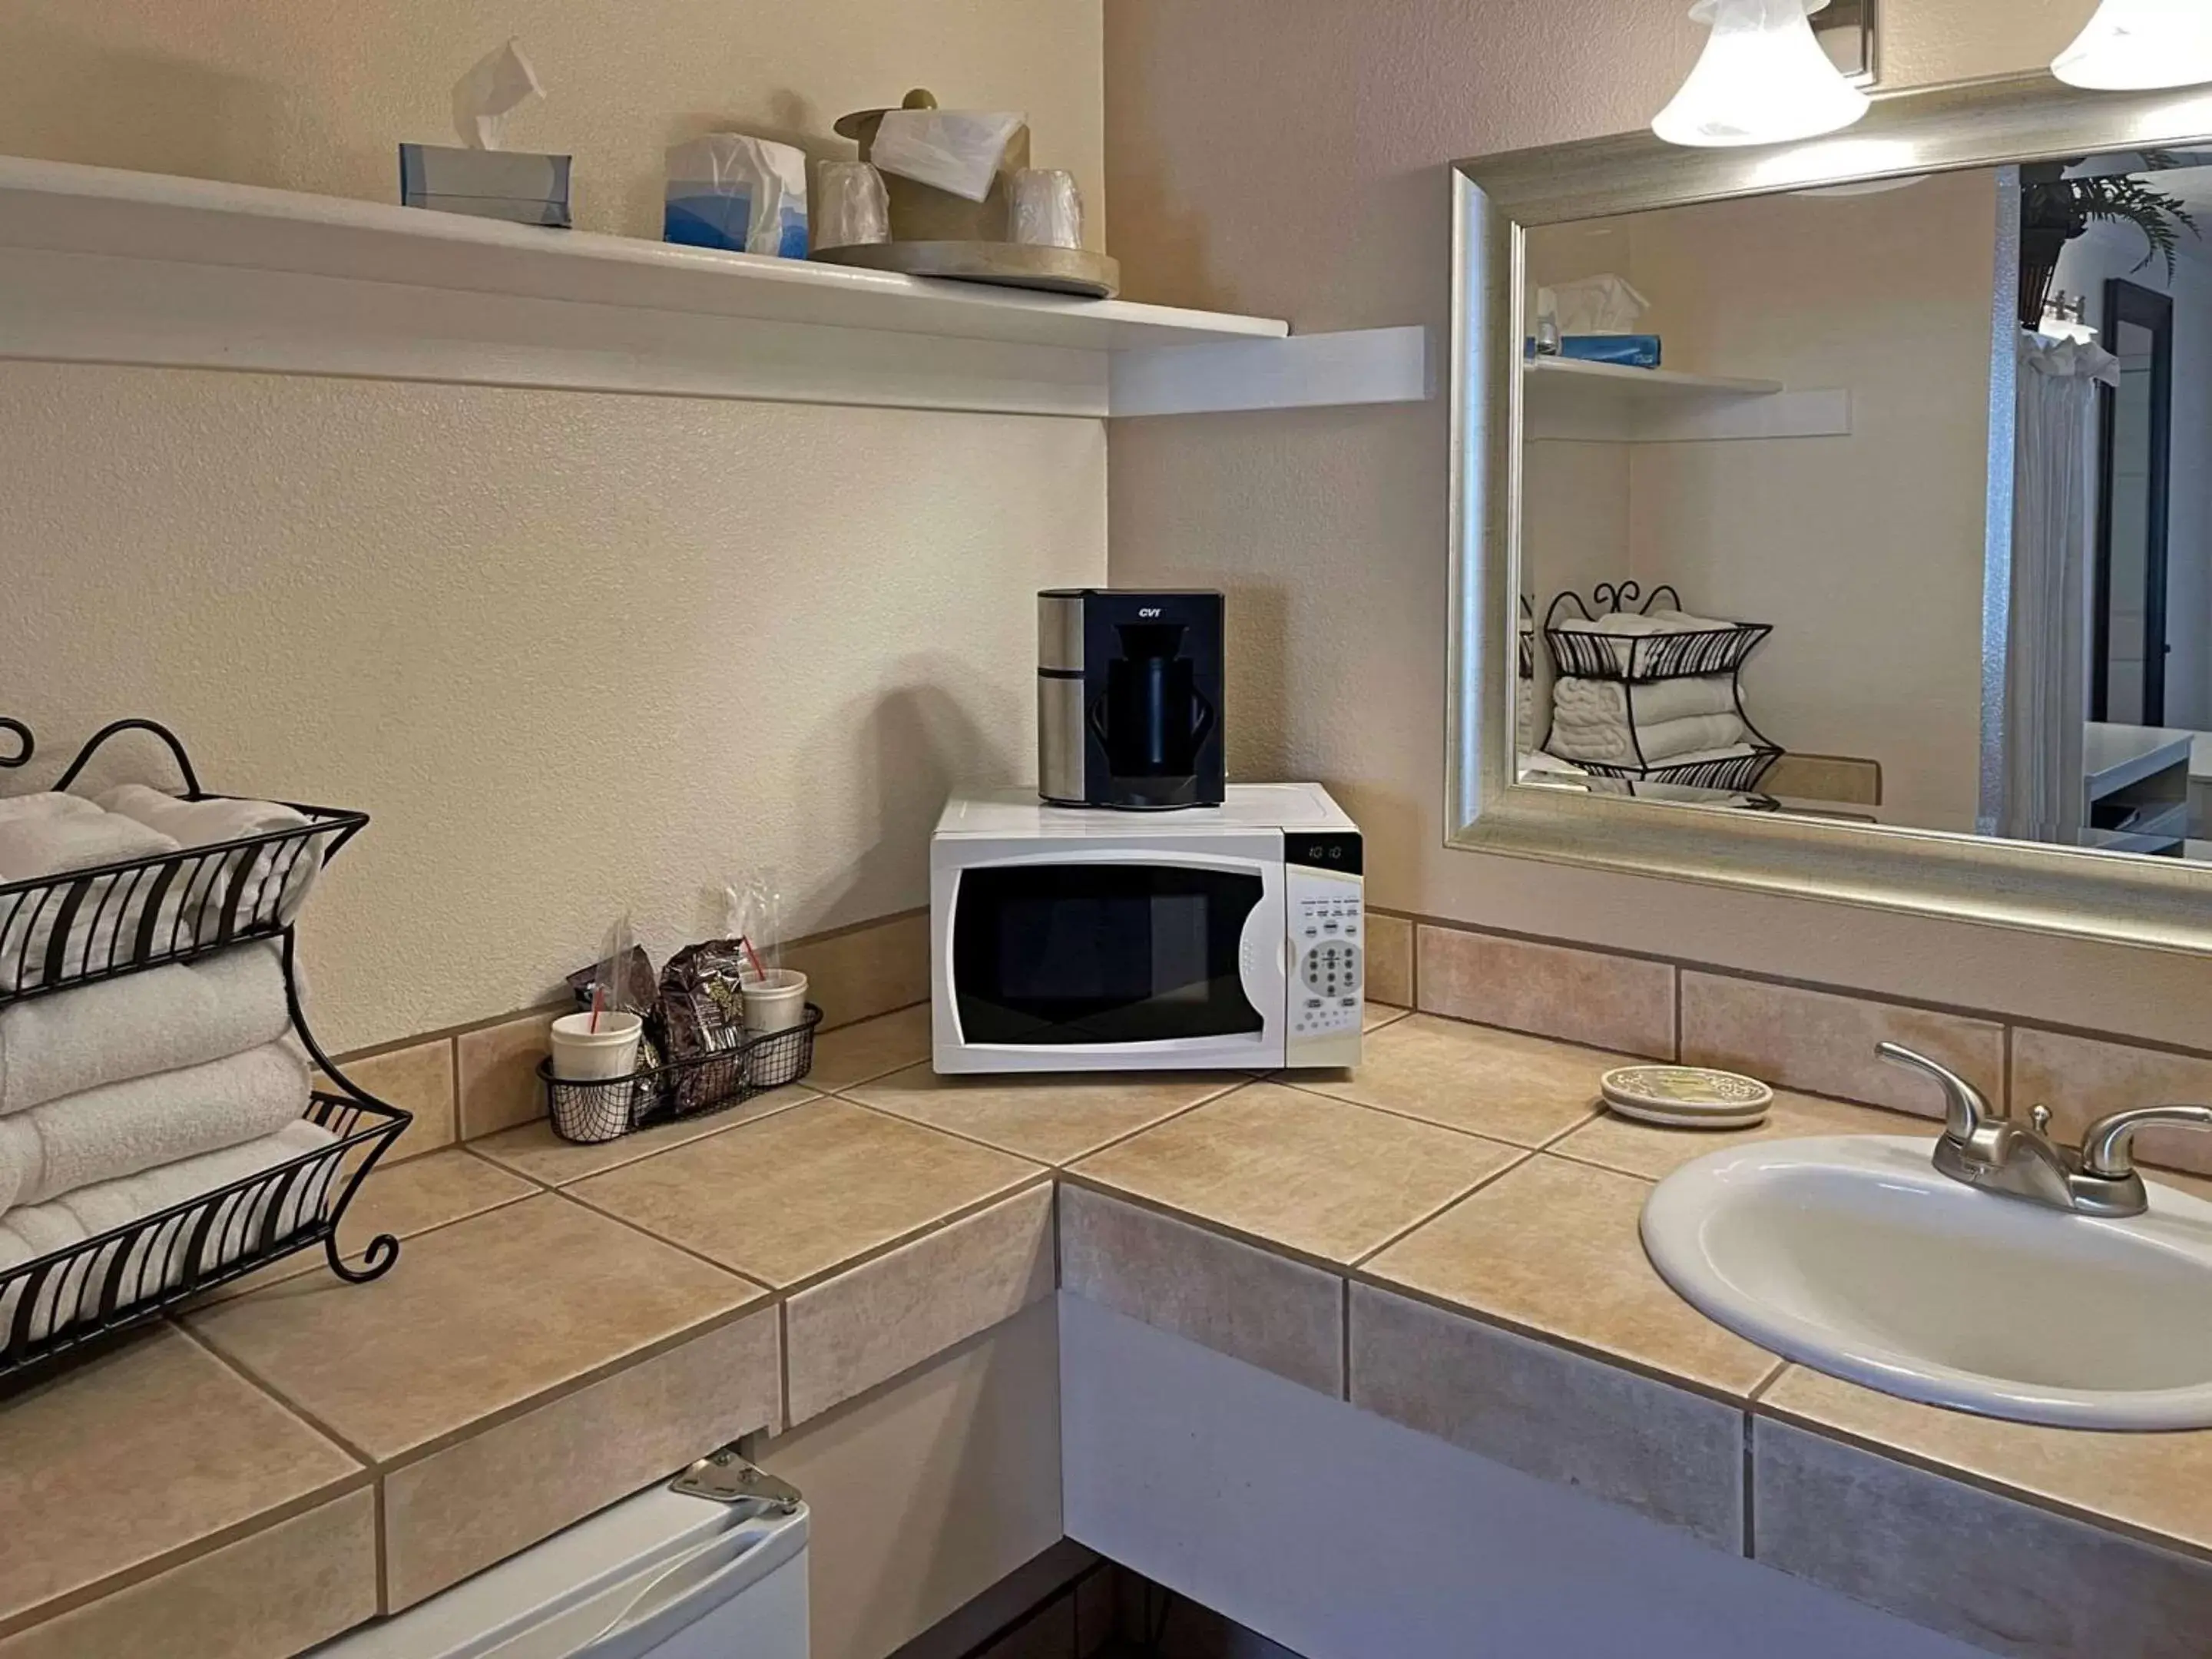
<point x="2158" y="902"/>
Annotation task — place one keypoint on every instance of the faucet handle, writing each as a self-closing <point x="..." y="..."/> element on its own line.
<point x="2108" y="1146"/>
<point x="1966" y="1108"/>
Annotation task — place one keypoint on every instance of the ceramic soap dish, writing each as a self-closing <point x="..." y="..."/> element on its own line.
<point x="1687" y="1097"/>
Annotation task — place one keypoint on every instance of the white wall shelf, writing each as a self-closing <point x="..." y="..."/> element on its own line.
<point x="103" y="266"/>
<point x="1609" y="402"/>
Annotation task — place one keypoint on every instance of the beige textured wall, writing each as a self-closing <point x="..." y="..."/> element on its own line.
<point x="571" y="651"/>
<point x="1287" y="156"/>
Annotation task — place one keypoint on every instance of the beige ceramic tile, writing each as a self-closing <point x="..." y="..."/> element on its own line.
<point x="910" y="1304"/>
<point x="265" y="1596"/>
<point x="867" y="971"/>
<point x="534" y="1151"/>
<point x="500" y="1087"/>
<point x="1553" y="990"/>
<point x="2080" y="1078"/>
<point x="1823" y="1042"/>
<point x="1376" y="1015"/>
<point x="478" y="1501"/>
<point x="401" y="1199"/>
<point x="1521" y="1089"/>
<point x="475" y="1317"/>
<point x="1994" y="1573"/>
<point x="1552" y="1247"/>
<point x="141" y="1451"/>
<point x="2161" y="1484"/>
<point x="1052" y="1117"/>
<point x="417" y="1079"/>
<point x="862" y="1052"/>
<point x="1330" y="1180"/>
<point x="1662" y="1451"/>
<point x="807" y="1190"/>
<point x="1389" y="960"/>
<point x="1252" y="1304"/>
<point x="1653" y="1150"/>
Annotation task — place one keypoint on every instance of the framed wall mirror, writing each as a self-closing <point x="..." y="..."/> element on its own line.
<point x="1836" y="518"/>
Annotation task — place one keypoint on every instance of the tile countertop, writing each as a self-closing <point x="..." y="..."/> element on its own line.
<point x="295" y="1455"/>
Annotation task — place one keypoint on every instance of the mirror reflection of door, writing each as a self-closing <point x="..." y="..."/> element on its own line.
<point x="2127" y="678"/>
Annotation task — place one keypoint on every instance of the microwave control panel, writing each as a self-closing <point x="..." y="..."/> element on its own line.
<point x="1322" y="892"/>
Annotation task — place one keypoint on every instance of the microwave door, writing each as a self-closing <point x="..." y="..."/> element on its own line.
<point x="1125" y="955"/>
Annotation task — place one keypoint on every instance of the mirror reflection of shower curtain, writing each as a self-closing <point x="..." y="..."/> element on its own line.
<point x="2054" y="524"/>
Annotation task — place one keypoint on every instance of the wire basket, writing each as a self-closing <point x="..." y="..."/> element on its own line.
<point x="60" y="1301"/>
<point x="1641" y="658"/>
<point x="676" y="1089"/>
<point x="99" y="923"/>
<point x="1735" y="774"/>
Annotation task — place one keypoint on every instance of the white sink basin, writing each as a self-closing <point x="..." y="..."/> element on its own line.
<point x="1851" y="1255"/>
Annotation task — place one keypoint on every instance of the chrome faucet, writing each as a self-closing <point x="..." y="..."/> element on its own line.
<point x="1997" y="1155"/>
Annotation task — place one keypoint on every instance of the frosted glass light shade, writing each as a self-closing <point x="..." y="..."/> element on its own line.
<point x="2133" y="46"/>
<point x="1763" y="79"/>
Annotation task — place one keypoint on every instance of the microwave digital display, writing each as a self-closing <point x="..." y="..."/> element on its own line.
<point x="1090" y="953"/>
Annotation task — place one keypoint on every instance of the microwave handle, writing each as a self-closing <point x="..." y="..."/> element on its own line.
<point x="1261" y="956"/>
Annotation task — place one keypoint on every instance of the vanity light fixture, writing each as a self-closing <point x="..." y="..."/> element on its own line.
<point x="1763" y="79"/>
<point x="2140" y="45"/>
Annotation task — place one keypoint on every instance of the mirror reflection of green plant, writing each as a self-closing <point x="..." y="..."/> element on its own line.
<point x="2055" y="209"/>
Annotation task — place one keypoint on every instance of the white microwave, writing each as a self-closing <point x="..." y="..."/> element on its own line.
<point x="1072" y="938"/>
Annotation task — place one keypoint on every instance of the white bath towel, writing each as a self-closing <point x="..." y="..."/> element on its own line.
<point x="47" y="804"/>
<point x="1631" y="623"/>
<point x="1657" y="745"/>
<point x="107" y="918"/>
<point x="1587" y="702"/>
<point x="276" y="878"/>
<point x="157" y="1261"/>
<point x="163" y="1020"/>
<point x="124" y="1128"/>
<point x="53" y="843"/>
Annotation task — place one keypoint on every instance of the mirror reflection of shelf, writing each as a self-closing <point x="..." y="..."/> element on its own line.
<point x="2137" y="788"/>
<point x="1566" y="399"/>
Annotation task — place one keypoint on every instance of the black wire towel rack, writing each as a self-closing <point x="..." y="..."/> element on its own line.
<point x="1632" y="660"/>
<point x="101" y="923"/>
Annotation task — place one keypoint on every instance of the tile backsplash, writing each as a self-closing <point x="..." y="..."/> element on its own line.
<point x="478" y="1082"/>
<point x="1824" y="1043"/>
<point x="1622" y="1003"/>
<point x="1814" y="1040"/>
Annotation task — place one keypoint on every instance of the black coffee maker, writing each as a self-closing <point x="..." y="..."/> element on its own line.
<point x="1129" y="699"/>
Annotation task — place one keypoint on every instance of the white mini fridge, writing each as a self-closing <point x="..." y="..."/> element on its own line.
<point x="666" y="1573"/>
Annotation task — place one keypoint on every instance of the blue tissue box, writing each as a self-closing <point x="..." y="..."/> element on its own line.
<point x="486" y="183"/>
<point x="1628" y="350"/>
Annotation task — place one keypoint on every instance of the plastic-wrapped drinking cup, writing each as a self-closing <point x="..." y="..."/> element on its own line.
<point x="852" y="207"/>
<point x="1047" y="208"/>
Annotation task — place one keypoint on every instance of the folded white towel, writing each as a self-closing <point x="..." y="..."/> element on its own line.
<point x="163" y="1020"/>
<point x="1580" y="702"/>
<point x="53" y="843"/>
<point x="123" y="1128"/>
<point x="158" y="1261"/>
<point x="1631" y="623"/>
<point x="47" y="804"/>
<point x="1658" y="744"/>
<point x="111" y="909"/>
<point x="276" y="878"/>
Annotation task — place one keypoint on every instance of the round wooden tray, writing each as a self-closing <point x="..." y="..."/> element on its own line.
<point x="1006" y="264"/>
